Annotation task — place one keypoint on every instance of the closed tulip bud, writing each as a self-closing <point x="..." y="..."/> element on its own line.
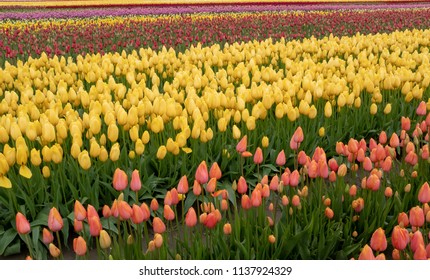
<point x="420" y="253"/>
<point x="328" y="212"/>
<point x="119" y="180"/>
<point x="215" y="171"/>
<point x="161" y="152"/>
<point x="114" y="152"/>
<point x="54" y="251"/>
<point x="135" y="184"/>
<point x="158" y="240"/>
<point x="197" y="189"/>
<point x="227" y="228"/>
<point x="366" y="253"/>
<point x="94" y="225"/>
<point x="236" y="132"/>
<point x="158" y="225"/>
<point x="79" y="246"/>
<point x="48" y="132"/>
<point x="35" y="158"/>
<point x="137" y="215"/>
<point x="168" y="213"/>
<point x="154" y="205"/>
<point x="242" y="186"/>
<point x="328" y="109"/>
<point x="399" y="238"/>
<point x="124" y="210"/>
<point x="296" y="200"/>
<point x="265" y="142"/>
<point x="294" y="178"/>
<point x="280" y="159"/>
<point x="258" y="156"/>
<point x="416" y="216"/>
<point x="246" y="202"/>
<point x="416" y="240"/>
<point x="191" y="217"/>
<point x="211" y="185"/>
<point x="55" y="222"/>
<point x="104" y="239"/>
<point x="211" y="220"/>
<point x="424" y="193"/>
<point x="22" y="224"/>
<point x="47" y="236"/>
<point x="79" y="211"/>
<point x="241" y="146"/>
<point x="183" y="185"/>
<point x="272" y="239"/>
<point x="378" y="242"/>
<point x="106" y="211"/>
<point x="402" y="219"/>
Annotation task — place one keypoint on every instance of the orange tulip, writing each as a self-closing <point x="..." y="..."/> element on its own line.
<point x="256" y="198"/>
<point x="80" y="246"/>
<point x="175" y="196"/>
<point x="215" y="171"/>
<point x="399" y="238"/>
<point x="168" y="213"/>
<point x="94" y="225"/>
<point x="211" y="185"/>
<point x="284" y="200"/>
<point x="224" y="205"/>
<point x="211" y="220"/>
<point x="145" y="211"/>
<point x="120" y="180"/>
<point x="302" y="158"/>
<point x="380" y="257"/>
<point x="79" y="211"/>
<point x="424" y="193"/>
<point x="137" y="215"/>
<point x="227" y="229"/>
<point x="394" y="140"/>
<point x="241" y="146"/>
<point x="54" y="251"/>
<point x="258" y="156"/>
<point x="135" y="184"/>
<point x="402" y="219"/>
<point x="191" y="217"/>
<point x="422" y="109"/>
<point x="420" y="253"/>
<point x="416" y="216"/>
<point x="416" y="240"/>
<point x="183" y="185"/>
<point x="222" y="193"/>
<point x="274" y="183"/>
<point x="47" y="236"/>
<point x="154" y="205"/>
<point x="124" y="210"/>
<point x="55" y="222"/>
<point x="296" y="200"/>
<point x="378" y="242"/>
<point x="366" y="253"/>
<point x="197" y="188"/>
<point x="272" y="239"/>
<point x="158" y="240"/>
<point x="158" y="225"/>
<point x="78" y="226"/>
<point x="22" y="224"/>
<point x="383" y="137"/>
<point x="245" y="202"/>
<point x="328" y="212"/>
<point x="405" y="123"/>
<point x="388" y="192"/>
<point x="373" y="182"/>
<point x="265" y="191"/>
<point x="280" y="159"/>
<point x="106" y="211"/>
<point x="242" y="186"/>
<point x="298" y="136"/>
<point x="294" y="178"/>
<point x="202" y="175"/>
<point x="395" y="254"/>
<point x="168" y="198"/>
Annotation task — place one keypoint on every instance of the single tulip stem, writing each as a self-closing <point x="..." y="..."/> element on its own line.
<point x="30" y="248"/>
<point x="59" y="242"/>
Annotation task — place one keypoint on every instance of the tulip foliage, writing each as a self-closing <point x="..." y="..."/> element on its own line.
<point x="240" y="147"/>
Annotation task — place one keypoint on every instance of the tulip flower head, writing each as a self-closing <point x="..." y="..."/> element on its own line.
<point x="120" y="180"/>
<point x="55" y="222"/>
<point x="22" y="224"/>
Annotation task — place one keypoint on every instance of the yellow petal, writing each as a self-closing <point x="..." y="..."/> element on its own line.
<point x="187" y="150"/>
<point x="5" y="182"/>
<point x="24" y="171"/>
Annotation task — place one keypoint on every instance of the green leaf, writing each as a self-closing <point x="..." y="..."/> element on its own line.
<point x="189" y="201"/>
<point x="13" y="249"/>
<point x="6" y="239"/>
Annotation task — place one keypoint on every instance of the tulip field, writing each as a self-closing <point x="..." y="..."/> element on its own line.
<point x="216" y="132"/>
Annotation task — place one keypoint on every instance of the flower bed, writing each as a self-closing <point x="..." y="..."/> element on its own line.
<point x="314" y="140"/>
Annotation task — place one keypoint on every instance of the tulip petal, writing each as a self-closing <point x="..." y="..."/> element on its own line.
<point x="5" y="182"/>
<point x="25" y="172"/>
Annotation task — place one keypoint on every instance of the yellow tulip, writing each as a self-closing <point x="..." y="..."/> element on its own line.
<point x="157" y="124"/>
<point x="373" y="109"/>
<point x="114" y="152"/>
<point x="4" y="135"/>
<point x="236" y="132"/>
<point x="4" y="166"/>
<point x="75" y="150"/>
<point x="5" y="182"/>
<point x="31" y="131"/>
<point x="84" y="160"/>
<point x="21" y="151"/>
<point x="321" y="132"/>
<point x="57" y="153"/>
<point x="328" y="110"/>
<point x="10" y="154"/>
<point x="94" y="148"/>
<point x="265" y="142"/>
<point x="25" y="172"/>
<point x="112" y="132"/>
<point x="139" y="147"/>
<point x="103" y="154"/>
<point x="35" y="158"/>
<point x="48" y="132"/>
<point x="95" y="125"/>
<point x="387" y="109"/>
<point x="145" y="137"/>
<point x="222" y="124"/>
<point x="161" y="152"/>
<point x="46" y="172"/>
